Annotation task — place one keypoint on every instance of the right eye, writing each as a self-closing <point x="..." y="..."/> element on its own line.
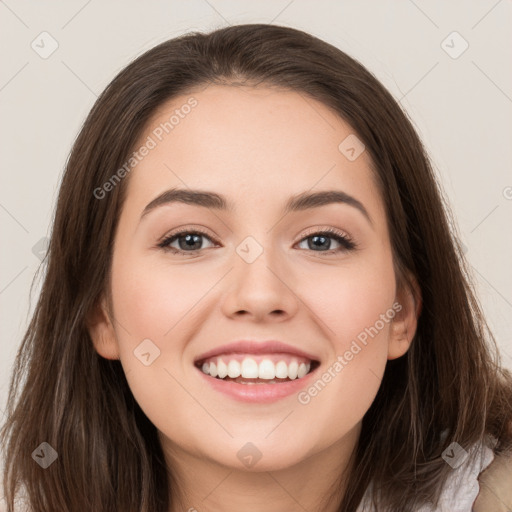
<point x="190" y="238"/>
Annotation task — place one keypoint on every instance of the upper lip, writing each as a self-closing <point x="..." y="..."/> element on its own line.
<point x="256" y="347"/>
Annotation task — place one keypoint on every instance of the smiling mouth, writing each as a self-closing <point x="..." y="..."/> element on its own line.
<point x="252" y="369"/>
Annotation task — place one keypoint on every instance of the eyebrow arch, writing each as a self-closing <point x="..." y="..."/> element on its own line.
<point x="297" y="203"/>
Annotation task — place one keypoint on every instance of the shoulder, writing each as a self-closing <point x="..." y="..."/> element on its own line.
<point x="461" y="488"/>
<point x="495" y="486"/>
<point x="483" y="483"/>
<point x="480" y="481"/>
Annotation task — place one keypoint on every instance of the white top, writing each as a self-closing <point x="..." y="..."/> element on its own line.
<point x="462" y="487"/>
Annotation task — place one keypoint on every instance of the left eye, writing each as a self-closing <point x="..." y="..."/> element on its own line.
<point x="317" y="239"/>
<point x="190" y="241"/>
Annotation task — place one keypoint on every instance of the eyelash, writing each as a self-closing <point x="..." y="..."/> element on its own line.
<point x="345" y="241"/>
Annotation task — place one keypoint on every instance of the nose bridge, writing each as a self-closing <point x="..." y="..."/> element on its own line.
<point x="257" y="235"/>
<point x="257" y="260"/>
<point x="259" y="278"/>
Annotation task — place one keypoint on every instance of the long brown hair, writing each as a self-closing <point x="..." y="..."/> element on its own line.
<point x="63" y="393"/>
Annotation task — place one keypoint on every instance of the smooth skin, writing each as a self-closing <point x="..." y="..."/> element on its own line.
<point x="257" y="146"/>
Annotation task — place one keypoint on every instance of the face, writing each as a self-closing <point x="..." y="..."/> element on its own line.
<point x="253" y="272"/>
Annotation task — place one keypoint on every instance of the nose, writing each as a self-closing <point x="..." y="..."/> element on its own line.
<point x="261" y="290"/>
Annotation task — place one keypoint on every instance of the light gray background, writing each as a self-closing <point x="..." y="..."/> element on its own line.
<point x="461" y="107"/>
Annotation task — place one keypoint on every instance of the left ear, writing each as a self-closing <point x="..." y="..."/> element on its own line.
<point x="405" y="321"/>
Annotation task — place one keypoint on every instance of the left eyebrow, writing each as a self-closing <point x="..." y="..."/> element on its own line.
<point x="300" y="202"/>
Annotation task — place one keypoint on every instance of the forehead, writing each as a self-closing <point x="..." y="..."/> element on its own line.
<point x="250" y="142"/>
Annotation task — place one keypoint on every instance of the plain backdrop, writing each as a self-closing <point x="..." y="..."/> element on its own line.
<point x="448" y="63"/>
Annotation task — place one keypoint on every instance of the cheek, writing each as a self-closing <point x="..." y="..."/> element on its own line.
<point x="156" y="305"/>
<point x="356" y="306"/>
<point x="149" y="302"/>
<point x="352" y="298"/>
<point x="151" y="298"/>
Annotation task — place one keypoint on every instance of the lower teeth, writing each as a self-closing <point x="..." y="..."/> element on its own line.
<point x="241" y="380"/>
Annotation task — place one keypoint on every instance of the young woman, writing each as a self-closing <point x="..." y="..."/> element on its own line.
<point x="253" y="300"/>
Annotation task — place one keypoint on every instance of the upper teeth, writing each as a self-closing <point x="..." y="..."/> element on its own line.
<point x="250" y="369"/>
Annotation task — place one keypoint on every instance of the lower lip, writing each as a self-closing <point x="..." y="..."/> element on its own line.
<point x="258" y="393"/>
